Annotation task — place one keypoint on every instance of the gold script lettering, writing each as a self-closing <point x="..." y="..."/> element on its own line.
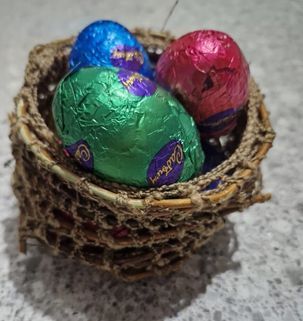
<point x="128" y="55"/>
<point x="82" y="153"/>
<point x="175" y="158"/>
<point x="129" y="82"/>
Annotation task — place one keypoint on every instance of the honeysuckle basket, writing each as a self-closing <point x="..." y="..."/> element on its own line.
<point x="133" y="233"/>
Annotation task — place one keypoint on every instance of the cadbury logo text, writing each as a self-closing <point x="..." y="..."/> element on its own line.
<point x="129" y="82"/>
<point x="175" y="158"/>
<point x="128" y="55"/>
<point x="82" y="153"/>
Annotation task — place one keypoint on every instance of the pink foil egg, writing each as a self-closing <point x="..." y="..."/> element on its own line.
<point x="207" y="71"/>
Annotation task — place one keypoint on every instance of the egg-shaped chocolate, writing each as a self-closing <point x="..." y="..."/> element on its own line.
<point x="124" y="128"/>
<point x="107" y="43"/>
<point x="207" y="71"/>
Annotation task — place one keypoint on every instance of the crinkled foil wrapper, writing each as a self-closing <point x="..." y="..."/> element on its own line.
<point x="124" y="128"/>
<point x="209" y="74"/>
<point x="107" y="43"/>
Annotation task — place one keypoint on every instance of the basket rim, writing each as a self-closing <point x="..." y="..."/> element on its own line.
<point x="27" y="116"/>
<point x="32" y="142"/>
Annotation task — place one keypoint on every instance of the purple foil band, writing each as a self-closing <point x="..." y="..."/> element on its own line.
<point x="220" y="121"/>
<point x="82" y="153"/>
<point x="167" y="165"/>
<point x="136" y="84"/>
<point x="127" y="57"/>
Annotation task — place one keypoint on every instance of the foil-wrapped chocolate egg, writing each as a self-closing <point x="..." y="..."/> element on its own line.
<point x="124" y="128"/>
<point x="207" y="71"/>
<point x="107" y="43"/>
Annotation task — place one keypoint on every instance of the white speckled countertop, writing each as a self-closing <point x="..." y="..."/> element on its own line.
<point x="252" y="270"/>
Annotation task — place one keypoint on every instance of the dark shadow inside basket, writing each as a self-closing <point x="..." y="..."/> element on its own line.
<point x="47" y="85"/>
<point x="46" y="89"/>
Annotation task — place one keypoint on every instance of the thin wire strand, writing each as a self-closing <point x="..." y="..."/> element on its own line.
<point x="171" y="11"/>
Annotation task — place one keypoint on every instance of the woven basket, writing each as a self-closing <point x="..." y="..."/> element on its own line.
<point x="133" y="233"/>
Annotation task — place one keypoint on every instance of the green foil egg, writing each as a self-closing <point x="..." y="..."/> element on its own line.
<point x="124" y="128"/>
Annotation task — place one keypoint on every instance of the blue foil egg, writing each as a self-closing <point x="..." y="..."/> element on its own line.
<point x="107" y="43"/>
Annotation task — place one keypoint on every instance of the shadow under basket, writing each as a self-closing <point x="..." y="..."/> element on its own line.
<point x="133" y="233"/>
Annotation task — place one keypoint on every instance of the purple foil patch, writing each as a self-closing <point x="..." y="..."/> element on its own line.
<point x="214" y="184"/>
<point x="81" y="152"/>
<point x="127" y="57"/>
<point x="167" y="165"/>
<point x="220" y="122"/>
<point x="136" y="84"/>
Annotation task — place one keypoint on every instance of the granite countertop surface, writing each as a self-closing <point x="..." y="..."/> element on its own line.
<point x="252" y="269"/>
